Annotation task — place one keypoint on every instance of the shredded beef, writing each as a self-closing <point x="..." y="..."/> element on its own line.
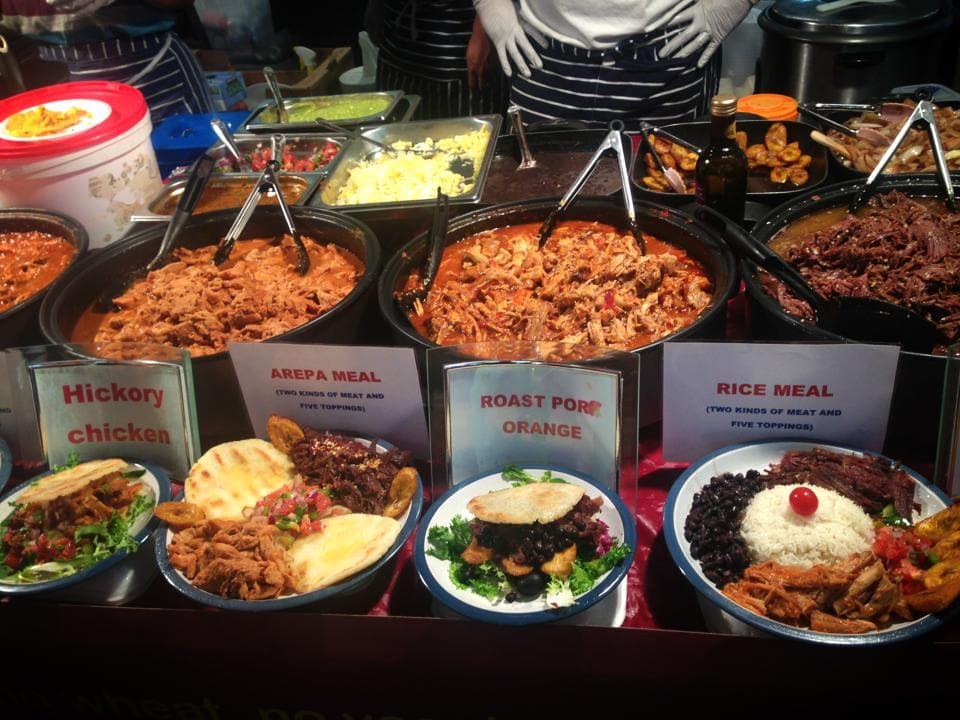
<point x="537" y="543"/>
<point x="871" y="482"/>
<point x="897" y="250"/>
<point x="357" y="476"/>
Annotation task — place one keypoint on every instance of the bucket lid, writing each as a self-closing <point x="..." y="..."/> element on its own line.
<point x="769" y="106"/>
<point x="110" y="110"/>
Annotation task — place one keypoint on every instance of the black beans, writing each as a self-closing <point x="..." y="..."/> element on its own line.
<point x="713" y="526"/>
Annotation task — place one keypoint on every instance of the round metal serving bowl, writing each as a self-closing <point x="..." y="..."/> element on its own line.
<point x="702" y="243"/>
<point x="220" y="408"/>
<point x="18" y="324"/>
<point x="915" y="410"/>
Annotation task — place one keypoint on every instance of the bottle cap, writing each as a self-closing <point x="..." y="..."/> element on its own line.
<point x="724" y="105"/>
<point x="769" y="106"/>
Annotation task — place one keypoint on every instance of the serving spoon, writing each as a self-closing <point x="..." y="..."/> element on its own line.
<point x="222" y="132"/>
<point x="527" y="160"/>
<point x="271" y="78"/>
<point x="196" y="182"/>
<point x="613" y="141"/>
<point x="438" y="233"/>
<point x="858" y="318"/>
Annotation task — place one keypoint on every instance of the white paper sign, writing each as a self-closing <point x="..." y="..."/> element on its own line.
<point x="536" y="414"/>
<point x="370" y="390"/>
<point x="717" y="394"/>
<point x="130" y="409"/>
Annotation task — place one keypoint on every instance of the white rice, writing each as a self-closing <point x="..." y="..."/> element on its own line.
<point x="773" y="531"/>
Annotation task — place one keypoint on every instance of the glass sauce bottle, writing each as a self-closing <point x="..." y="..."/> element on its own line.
<point x="721" y="174"/>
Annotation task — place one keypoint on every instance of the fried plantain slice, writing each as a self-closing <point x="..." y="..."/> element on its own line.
<point x="742" y="139"/>
<point x="179" y="515"/>
<point x="401" y="492"/>
<point x="776" y="137"/>
<point x="283" y="432"/>
<point x="515" y="569"/>
<point x="561" y="564"/>
<point x="935" y="599"/>
<point x="476" y="554"/>
<point x="791" y="153"/>
<point x="948" y="547"/>
<point x="936" y="527"/>
<point x="798" y="175"/>
<point x="779" y="175"/>
<point x="940" y="573"/>
<point x="689" y="162"/>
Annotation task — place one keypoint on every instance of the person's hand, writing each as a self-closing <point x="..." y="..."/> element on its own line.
<point x="478" y="56"/>
<point x="500" y="20"/>
<point x="708" y="23"/>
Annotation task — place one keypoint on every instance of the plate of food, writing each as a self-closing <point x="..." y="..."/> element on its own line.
<point x="816" y="542"/>
<point x="272" y="525"/>
<point x="72" y="523"/>
<point x="527" y="545"/>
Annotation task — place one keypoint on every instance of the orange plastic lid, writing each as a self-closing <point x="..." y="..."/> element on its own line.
<point x="769" y="106"/>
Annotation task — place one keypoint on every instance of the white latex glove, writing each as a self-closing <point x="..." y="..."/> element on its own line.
<point x="708" y="23"/>
<point x="499" y="18"/>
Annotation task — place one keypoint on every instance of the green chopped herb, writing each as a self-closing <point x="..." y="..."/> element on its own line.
<point x="517" y="476"/>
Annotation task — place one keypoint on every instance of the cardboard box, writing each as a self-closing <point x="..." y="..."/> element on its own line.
<point x="226" y="89"/>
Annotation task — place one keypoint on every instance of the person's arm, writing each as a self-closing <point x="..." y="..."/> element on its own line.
<point x="478" y="55"/>
<point x="708" y="23"/>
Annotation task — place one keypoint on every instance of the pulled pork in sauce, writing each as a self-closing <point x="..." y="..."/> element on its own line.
<point x="589" y="284"/>
<point x="29" y="261"/>
<point x="357" y="476"/>
<point x="234" y="559"/>
<point x="898" y="249"/>
<point x="193" y="304"/>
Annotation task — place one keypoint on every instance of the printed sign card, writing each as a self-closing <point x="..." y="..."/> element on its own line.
<point x="561" y="416"/>
<point x="96" y="409"/>
<point x="718" y="394"/>
<point x="18" y="411"/>
<point x="369" y="390"/>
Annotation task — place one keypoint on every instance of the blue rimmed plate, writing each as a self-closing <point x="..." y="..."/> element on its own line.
<point x="116" y="579"/>
<point x="759" y="456"/>
<point x="352" y="584"/>
<point x="435" y="572"/>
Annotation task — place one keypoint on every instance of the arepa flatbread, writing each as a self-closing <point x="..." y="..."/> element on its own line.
<point x="70" y="480"/>
<point x="346" y="545"/>
<point x="536" y="502"/>
<point x="234" y="475"/>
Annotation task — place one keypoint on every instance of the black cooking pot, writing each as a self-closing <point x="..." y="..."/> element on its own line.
<point x="852" y="53"/>
<point x="700" y="241"/>
<point x="915" y="409"/>
<point x="222" y="415"/>
<point x="18" y="325"/>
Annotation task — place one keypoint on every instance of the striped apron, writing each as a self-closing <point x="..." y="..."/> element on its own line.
<point x="627" y="82"/>
<point x="423" y="52"/>
<point x="160" y="65"/>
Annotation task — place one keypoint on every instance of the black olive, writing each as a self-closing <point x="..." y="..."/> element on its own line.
<point x="532" y="583"/>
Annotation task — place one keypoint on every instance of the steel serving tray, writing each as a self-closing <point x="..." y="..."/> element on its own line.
<point x="413" y="132"/>
<point x="254" y="123"/>
<point x="301" y="145"/>
<point x="154" y="209"/>
<point x="759" y="186"/>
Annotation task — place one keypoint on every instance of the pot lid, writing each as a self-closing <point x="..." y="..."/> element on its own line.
<point x="71" y="116"/>
<point x="859" y="18"/>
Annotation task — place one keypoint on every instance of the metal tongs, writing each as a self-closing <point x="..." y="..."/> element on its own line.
<point x="516" y="119"/>
<point x="266" y="182"/>
<point x="613" y="141"/>
<point x="895" y="111"/>
<point x="355" y="135"/>
<point x="438" y="233"/>
<point x="222" y="132"/>
<point x="673" y="178"/>
<point x="923" y="112"/>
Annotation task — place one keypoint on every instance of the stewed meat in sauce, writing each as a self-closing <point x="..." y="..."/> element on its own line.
<point x="900" y="249"/>
<point x="29" y="261"/>
<point x="590" y="284"/>
<point x="191" y="303"/>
